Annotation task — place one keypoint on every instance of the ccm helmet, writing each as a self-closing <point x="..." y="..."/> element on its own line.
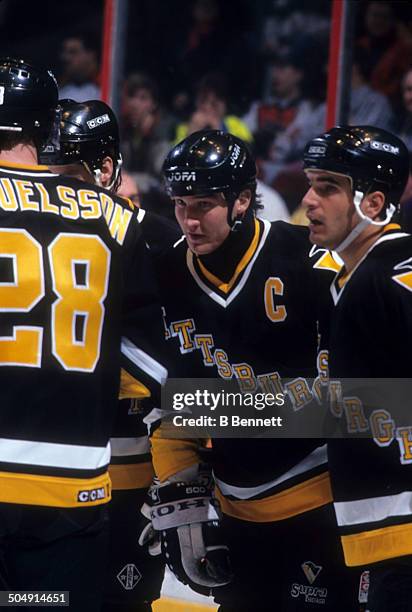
<point x="89" y="132"/>
<point x="28" y="101"/>
<point x="208" y="162"/>
<point x="372" y="158"/>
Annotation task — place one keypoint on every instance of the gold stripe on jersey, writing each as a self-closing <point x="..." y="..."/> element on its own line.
<point x="327" y="262"/>
<point x="131" y="387"/>
<point x="172" y="456"/>
<point x="54" y="491"/>
<point x="392" y="226"/>
<point x="131" y="476"/>
<point x="313" y="493"/>
<point x="39" y="167"/>
<point x="376" y="545"/>
<point x="226" y="287"/>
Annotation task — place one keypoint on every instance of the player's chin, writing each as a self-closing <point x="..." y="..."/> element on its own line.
<point x="201" y="248"/>
<point x="317" y="239"/>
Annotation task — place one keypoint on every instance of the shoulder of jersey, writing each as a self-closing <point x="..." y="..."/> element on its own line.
<point x="325" y="260"/>
<point x="397" y="260"/>
<point x="284" y="236"/>
<point x="173" y="255"/>
<point x="77" y="184"/>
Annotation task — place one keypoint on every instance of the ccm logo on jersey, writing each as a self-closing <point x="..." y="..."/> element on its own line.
<point x="384" y="146"/>
<point x="92" y="123"/>
<point x="182" y="176"/>
<point x="91" y="495"/>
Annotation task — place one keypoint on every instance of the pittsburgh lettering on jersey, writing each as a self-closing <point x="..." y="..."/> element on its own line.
<point x="298" y="390"/>
<point x="25" y="195"/>
<point x="380" y="423"/>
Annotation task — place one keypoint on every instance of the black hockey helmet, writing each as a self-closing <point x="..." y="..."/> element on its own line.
<point x="89" y="132"/>
<point x="372" y="158"/>
<point x="28" y="101"/>
<point x="208" y="162"/>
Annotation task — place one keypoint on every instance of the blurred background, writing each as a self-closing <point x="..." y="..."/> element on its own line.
<point x="256" y="68"/>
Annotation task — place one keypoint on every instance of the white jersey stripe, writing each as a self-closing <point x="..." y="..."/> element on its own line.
<point x="373" y="509"/>
<point x="314" y="459"/>
<point x="49" y="454"/>
<point x="144" y="361"/>
<point x="121" y="447"/>
<point x="25" y="173"/>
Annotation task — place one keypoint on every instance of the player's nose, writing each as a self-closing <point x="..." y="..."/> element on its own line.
<point x="310" y="200"/>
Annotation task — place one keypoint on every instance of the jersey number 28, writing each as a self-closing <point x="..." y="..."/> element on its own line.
<point x="78" y="304"/>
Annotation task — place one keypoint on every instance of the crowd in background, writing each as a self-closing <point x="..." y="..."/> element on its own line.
<point x="258" y="72"/>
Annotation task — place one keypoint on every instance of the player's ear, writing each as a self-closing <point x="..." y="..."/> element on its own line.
<point x="107" y="170"/>
<point x="373" y="204"/>
<point x="242" y="202"/>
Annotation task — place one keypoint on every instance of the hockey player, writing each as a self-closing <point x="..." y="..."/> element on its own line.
<point x="357" y="175"/>
<point x="89" y="149"/>
<point x="74" y="283"/>
<point x="240" y="303"/>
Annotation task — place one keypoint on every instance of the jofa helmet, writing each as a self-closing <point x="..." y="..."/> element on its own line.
<point x="372" y="158"/>
<point x="89" y="132"/>
<point x="28" y="101"/>
<point x="209" y="162"/>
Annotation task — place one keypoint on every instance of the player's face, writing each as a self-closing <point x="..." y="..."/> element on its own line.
<point x="203" y="220"/>
<point x="329" y="208"/>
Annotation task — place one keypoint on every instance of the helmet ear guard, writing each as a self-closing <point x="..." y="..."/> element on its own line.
<point x="372" y="158"/>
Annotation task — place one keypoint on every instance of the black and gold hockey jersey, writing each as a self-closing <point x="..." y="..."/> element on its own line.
<point x="75" y="285"/>
<point x="260" y="326"/>
<point x="131" y="462"/>
<point x="370" y="340"/>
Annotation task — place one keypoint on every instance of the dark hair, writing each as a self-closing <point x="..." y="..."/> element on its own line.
<point x="9" y="140"/>
<point x="89" y="39"/>
<point x="213" y="82"/>
<point x="138" y="81"/>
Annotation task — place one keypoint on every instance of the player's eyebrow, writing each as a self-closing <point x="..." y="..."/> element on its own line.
<point x="328" y="179"/>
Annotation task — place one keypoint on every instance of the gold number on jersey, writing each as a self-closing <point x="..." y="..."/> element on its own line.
<point x="74" y="299"/>
<point x="21" y="294"/>
<point x="78" y="300"/>
<point x="274" y="286"/>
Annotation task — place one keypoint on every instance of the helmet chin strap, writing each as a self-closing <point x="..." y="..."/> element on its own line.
<point x="364" y="222"/>
<point x="236" y="224"/>
<point x="96" y="173"/>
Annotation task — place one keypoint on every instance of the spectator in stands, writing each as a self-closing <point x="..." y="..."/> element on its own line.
<point x="406" y="202"/>
<point x="287" y="20"/>
<point x="388" y="44"/>
<point x="367" y="106"/>
<point x="80" y="62"/>
<point x="216" y="39"/>
<point x="210" y="112"/>
<point x="267" y="118"/>
<point x="146" y="129"/>
<point x="404" y="127"/>
<point x="297" y="88"/>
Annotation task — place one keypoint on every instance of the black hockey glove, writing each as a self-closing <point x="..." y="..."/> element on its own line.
<point x="186" y="516"/>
